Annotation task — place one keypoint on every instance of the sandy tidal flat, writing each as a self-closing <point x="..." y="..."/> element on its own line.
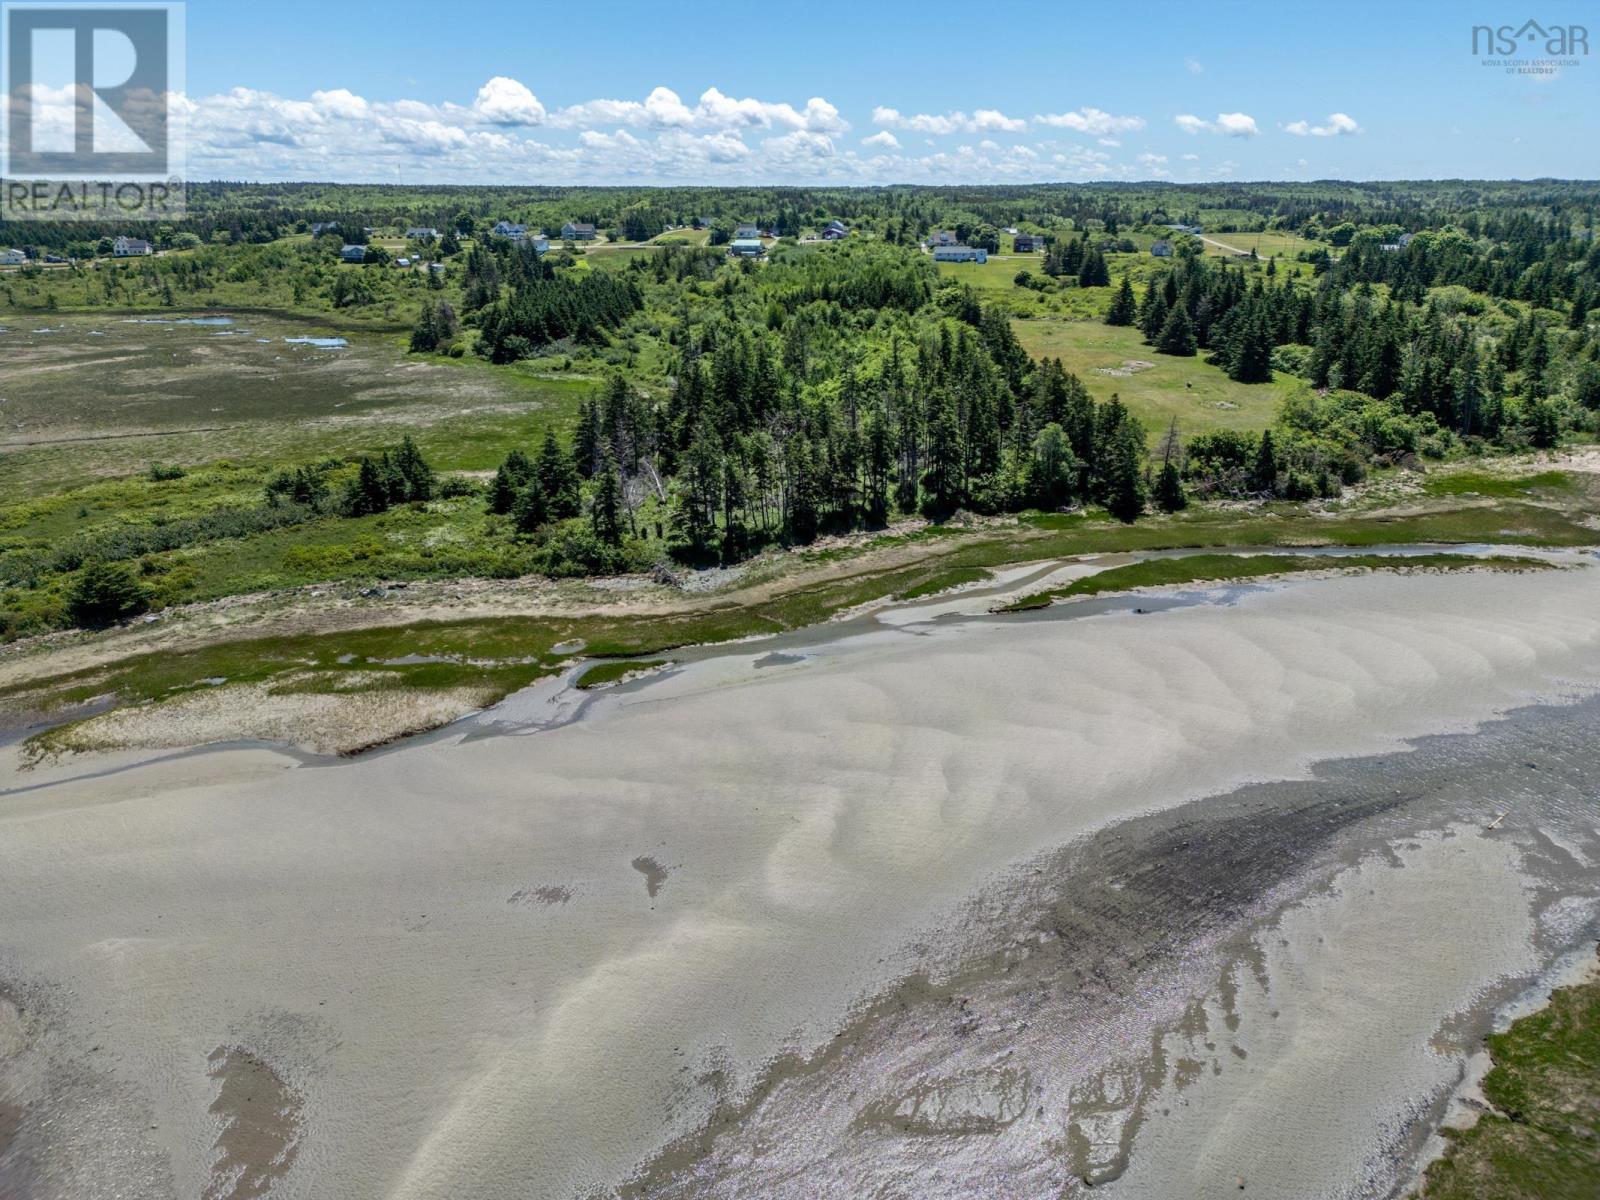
<point x="504" y="966"/>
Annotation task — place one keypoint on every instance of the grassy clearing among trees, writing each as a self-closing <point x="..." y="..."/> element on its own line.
<point x="1198" y="395"/>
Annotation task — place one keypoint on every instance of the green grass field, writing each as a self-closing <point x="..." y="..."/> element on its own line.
<point x="995" y="275"/>
<point x="1265" y="243"/>
<point x="995" y="281"/>
<point x="694" y="237"/>
<point x="1200" y="396"/>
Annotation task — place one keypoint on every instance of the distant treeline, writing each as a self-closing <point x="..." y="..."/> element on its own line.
<point x="1496" y="210"/>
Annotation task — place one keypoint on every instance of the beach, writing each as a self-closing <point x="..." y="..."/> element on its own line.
<point x="792" y="894"/>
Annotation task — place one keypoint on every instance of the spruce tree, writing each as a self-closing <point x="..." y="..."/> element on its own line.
<point x="531" y="509"/>
<point x="1152" y="314"/>
<point x="1094" y="273"/>
<point x="1264" y="475"/>
<point x="1169" y="489"/>
<point x="1544" y="424"/>
<point x="1586" y="386"/>
<point x="415" y="475"/>
<point x="1072" y="257"/>
<point x="1124" y="308"/>
<point x="945" y="454"/>
<point x="369" y="491"/>
<point x="1252" y="353"/>
<point x="558" y="480"/>
<point x="509" y="479"/>
<point x="425" y="336"/>
<point x="104" y="593"/>
<point x="586" y="440"/>
<point x="801" y="512"/>
<point x="1582" y="302"/>
<point x="1177" y="335"/>
<point x="605" y="509"/>
<point x="1124" y="473"/>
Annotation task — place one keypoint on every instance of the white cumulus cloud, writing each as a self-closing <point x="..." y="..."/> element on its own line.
<point x="799" y="146"/>
<point x="983" y="120"/>
<point x="664" y="109"/>
<point x="1091" y="120"/>
<point x="1234" y="124"/>
<point x="1338" y="125"/>
<point x="504" y="133"/>
<point x="504" y="101"/>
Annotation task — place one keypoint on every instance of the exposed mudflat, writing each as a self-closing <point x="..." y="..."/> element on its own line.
<point x="939" y="905"/>
<point x="1278" y="986"/>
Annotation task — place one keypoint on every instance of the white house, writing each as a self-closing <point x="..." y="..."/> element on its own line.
<point x="749" y="247"/>
<point x="746" y="231"/>
<point x="127" y="247"/>
<point x="960" y="254"/>
<point x="12" y="258"/>
<point x="422" y="233"/>
<point x="318" y="228"/>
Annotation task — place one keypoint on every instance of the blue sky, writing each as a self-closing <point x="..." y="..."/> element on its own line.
<point x="715" y="92"/>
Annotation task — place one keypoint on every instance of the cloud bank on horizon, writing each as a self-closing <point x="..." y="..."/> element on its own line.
<point x="507" y="133"/>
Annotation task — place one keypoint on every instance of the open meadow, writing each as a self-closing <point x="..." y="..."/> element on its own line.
<point x="1266" y="243"/>
<point x="1158" y="388"/>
